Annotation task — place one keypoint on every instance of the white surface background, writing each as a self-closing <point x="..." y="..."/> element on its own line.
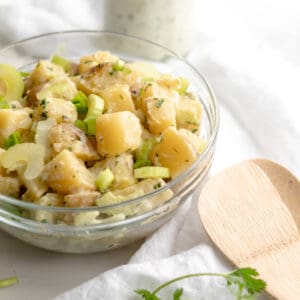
<point x="249" y="52"/>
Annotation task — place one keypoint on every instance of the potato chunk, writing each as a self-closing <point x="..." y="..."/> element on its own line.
<point x="58" y="109"/>
<point x="44" y="71"/>
<point x="9" y="186"/>
<point x="189" y="113"/>
<point x="117" y="98"/>
<point x="103" y="76"/>
<point x="117" y="133"/>
<point x="66" y="174"/>
<point x="160" y="114"/>
<point x="83" y="199"/>
<point x="89" y="61"/>
<point x="154" y="90"/>
<point x="12" y="120"/>
<point x="122" y="168"/>
<point x="67" y="136"/>
<point x="174" y="152"/>
<point x="61" y="87"/>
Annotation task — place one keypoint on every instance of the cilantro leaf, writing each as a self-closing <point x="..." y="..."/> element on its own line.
<point x="147" y="295"/>
<point x="247" y="279"/>
<point x="177" y="294"/>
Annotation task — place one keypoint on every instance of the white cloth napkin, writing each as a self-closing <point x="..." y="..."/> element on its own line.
<point x="256" y="80"/>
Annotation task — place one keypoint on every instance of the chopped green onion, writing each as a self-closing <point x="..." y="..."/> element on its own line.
<point x="60" y="61"/>
<point x="184" y="84"/>
<point x="104" y="179"/>
<point x="3" y="103"/>
<point x="151" y="172"/>
<point x="119" y="66"/>
<point x="13" y="139"/>
<point x="90" y="126"/>
<point x="24" y="74"/>
<point x="81" y="125"/>
<point x="95" y="106"/>
<point x="8" y="281"/>
<point x="80" y="102"/>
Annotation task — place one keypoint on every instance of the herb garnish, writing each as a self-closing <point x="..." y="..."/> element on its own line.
<point x="159" y="102"/>
<point x="8" y="281"/>
<point x="243" y="283"/>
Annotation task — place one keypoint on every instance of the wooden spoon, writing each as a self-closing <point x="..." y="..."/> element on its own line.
<point x="245" y="216"/>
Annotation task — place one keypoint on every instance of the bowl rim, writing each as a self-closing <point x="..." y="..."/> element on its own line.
<point x="215" y="122"/>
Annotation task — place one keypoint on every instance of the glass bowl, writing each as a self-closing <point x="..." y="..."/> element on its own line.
<point x="146" y="213"/>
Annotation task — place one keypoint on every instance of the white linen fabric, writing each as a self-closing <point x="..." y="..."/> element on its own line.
<point x="251" y="60"/>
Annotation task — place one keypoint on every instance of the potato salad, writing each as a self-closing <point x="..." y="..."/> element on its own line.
<point x="94" y="132"/>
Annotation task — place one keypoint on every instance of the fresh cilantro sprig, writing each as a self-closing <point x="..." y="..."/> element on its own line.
<point x="243" y="283"/>
<point x="8" y="281"/>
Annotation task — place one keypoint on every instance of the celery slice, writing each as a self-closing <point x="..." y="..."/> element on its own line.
<point x="152" y="172"/>
<point x="11" y="83"/>
<point x="13" y="139"/>
<point x="142" y="154"/>
<point x="80" y="102"/>
<point x="119" y="66"/>
<point x="60" y="61"/>
<point x="3" y="103"/>
<point x="90" y="126"/>
<point x="95" y="106"/>
<point x="8" y="281"/>
<point x="81" y="125"/>
<point x="104" y="179"/>
<point x="184" y="84"/>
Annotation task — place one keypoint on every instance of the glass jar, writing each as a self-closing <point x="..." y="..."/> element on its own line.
<point x="171" y="23"/>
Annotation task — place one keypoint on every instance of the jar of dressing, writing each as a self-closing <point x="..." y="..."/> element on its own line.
<point x="171" y="23"/>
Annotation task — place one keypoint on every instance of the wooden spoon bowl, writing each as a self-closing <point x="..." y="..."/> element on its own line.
<point x="251" y="212"/>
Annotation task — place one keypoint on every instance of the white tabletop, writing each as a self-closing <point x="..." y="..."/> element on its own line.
<point x="43" y="274"/>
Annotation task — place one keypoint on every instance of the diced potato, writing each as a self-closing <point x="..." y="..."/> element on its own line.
<point x="66" y="174"/>
<point x="198" y="143"/>
<point x="168" y="81"/>
<point x="82" y="199"/>
<point x="89" y="61"/>
<point x="62" y="88"/>
<point x="136" y="190"/>
<point x="58" y="109"/>
<point x="117" y="133"/>
<point x="84" y="151"/>
<point x="9" y="186"/>
<point x="173" y="152"/>
<point x="189" y="113"/>
<point x="160" y="114"/>
<point x="144" y="69"/>
<point x="121" y="167"/>
<point x="45" y="71"/>
<point x="154" y="90"/>
<point x="86" y="218"/>
<point x="118" y="98"/>
<point x="36" y="188"/>
<point x="12" y="120"/>
<point x="67" y="136"/>
<point x="103" y="76"/>
<point x="50" y="199"/>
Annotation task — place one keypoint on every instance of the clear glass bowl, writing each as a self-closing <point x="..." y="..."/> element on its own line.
<point x="147" y="214"/>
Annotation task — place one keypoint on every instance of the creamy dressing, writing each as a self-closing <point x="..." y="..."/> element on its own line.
<point x="171" y="23"/>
